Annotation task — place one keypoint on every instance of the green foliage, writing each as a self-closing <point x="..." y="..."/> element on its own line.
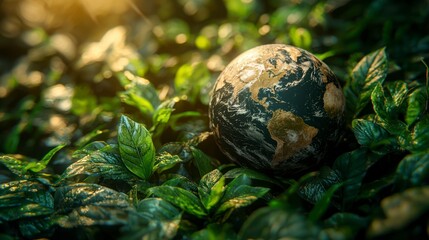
<point x="105" y="132"/>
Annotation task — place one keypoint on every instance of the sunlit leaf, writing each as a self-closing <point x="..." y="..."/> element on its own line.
<point x="420" y="136"/>
<point x="239" y="193"/>
<point x="90" y="204"/>
<point x="136" y="147"/>
<point x="416" y="105"/>
<point x="400" y="210"/>
<point x="181" y="198"/>
<point x="165" y="161"/>
<point x="190" y="79"/>
<point x="370" y="71"/>
<point x="13" y="164"/>
<point x="105" y="162"/>
<point x="40" y="165"/>
<point x="273" y="223"/>
<point x="210" y="189"/>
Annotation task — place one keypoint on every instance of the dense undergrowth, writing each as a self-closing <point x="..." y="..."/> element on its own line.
<point x="104" y="128"/>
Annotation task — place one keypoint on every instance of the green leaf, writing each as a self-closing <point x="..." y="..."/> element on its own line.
<point x="165" y="161"/>
<point x="190" y="79"/>
<point x="416" y="105"/>
<point x="238" y="193"/>
<point x="33" y="228"/>
<point x="420" y="136"/>
<point x="136" y="147"/>
<point x="351" y="168"/>
<point x="370" y="71"/>
<point x="322" y="205"/>
<point x="162" y="116"/>
<point x="215" y="232"/>
<point x="85" y="204"/>
<point x="273" y="223"/>
<point x="182" y="182"/>
<point x="202" y="161"/>
<point x="315" y="187"/>
<point x="398" y="90"/>
<point x="181" y="198"/>
<point x="23" y="199"/>
<point x="373" y="136"/>
<point x="14" y="165"/>
<point x="252" y="174"/>
<point x="105" y="162"/>
<point x="400" y="209"/>
<point x="344" y="225"/>
<point x="211" y="188"/>
<point x="39" y="166"/>
<point x="413" y="170"/>
<point x="161" y="220"/>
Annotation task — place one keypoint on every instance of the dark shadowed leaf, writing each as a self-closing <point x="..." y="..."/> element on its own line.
<point x="252" y="174"/>
<point x="182" y="182"/>
<point x="37" y="227"/>
<point x="215" y="232"/>
<point x="136" y="147"/>
<point x="370" y="71"/>
<point x="400" y="210"/>
<point x="420" y="136"/>
<point x="91" y="204"/>
<point x="322" y="205"/>
<point x="344" y="225"/>
<point x="181" y="198"/>
<point x="351" y="168"/>
<point x="273" y="223"/>
<point x="105" y="162"/>
<point x="210" y="189"/>
<point x="413" y="170"/>
<point x="314" y="188"/>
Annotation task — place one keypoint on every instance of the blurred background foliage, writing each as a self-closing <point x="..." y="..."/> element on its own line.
<point x="69" y="68"/>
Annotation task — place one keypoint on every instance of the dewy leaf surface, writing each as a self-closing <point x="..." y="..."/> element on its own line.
<point x="136" y="147"/>
<point x="370" y="70"/>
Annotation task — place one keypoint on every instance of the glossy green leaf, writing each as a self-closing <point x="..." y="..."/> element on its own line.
<point x="182" y="182"/>
<point x="162" y="116"/>
<point x="252" y="174"/>
<point x="165" y="161"/>
<point x="85" y="204"/>
<point x="161" y="220"/>
<point x="40" y="165"/>
<point x="239" y="193"/>
<point x="370" y="71"/>
<point x="400" y="210"/>
<point x="413" y="170"/>
<point x="210" y="188"/>
<point x="181" y="198"/>
<point x="136" y="147"/>
<point x="315" y="187"/>
<point x="416" y="105"/>
<point x="373" y="136"/>
<point x="202" y="161"/>
<point x="105" y="162"/>
<point x="398" y="90"/>
<point x="273" y="223"/>
<point x="22" y="199"/>
<point x="14" y="165"/>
